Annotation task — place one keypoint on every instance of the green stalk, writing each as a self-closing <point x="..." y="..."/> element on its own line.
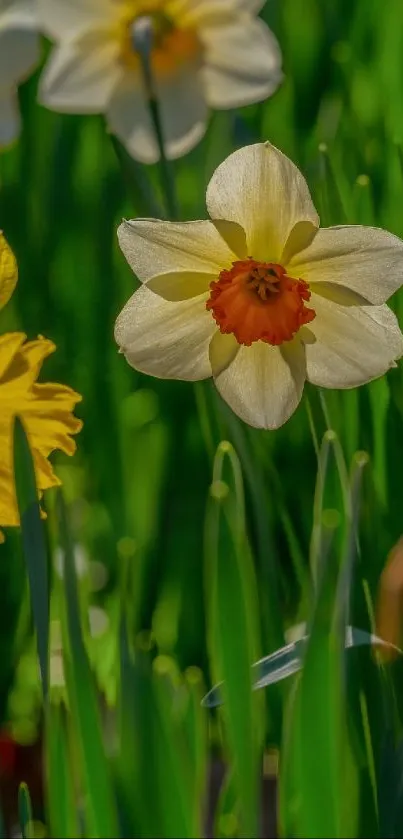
<point x="143" y="38"/>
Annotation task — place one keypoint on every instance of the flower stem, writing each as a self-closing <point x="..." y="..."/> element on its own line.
<point x="142" y="36"/>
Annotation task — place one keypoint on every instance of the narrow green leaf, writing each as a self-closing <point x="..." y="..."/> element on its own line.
<point x="60" y="788"/>
<point x="232" y="629"/>
<point x="25" y="812"/>
<point x="33" y="543"/>
<point x="100" y="814"/>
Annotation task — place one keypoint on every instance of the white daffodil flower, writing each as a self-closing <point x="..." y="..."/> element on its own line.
<point x="205" y="53"/>
<point x="19" y="53"/>
<point x="260" y="297"/>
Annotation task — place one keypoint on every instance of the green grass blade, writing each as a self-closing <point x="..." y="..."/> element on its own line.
<point x="233" y="635"/>
<point x="33" y="543"/>
<point x="61" y="795"/>
<point x="100" y="814"/>
<point x="25" y="812"/>
<point x="316" y="726"/>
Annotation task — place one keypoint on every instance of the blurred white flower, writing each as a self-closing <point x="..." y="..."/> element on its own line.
<point x="19" y="53"/>
<point x="206" y="53"/>
<point x="260" y="297"/>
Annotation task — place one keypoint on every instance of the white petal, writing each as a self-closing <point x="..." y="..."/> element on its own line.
<point x="81" y="75"/>
<point x="65" y="18"/>
<point x="264" y="384"/>
<point x="365" y="259"/>
<point x="223" y="349"/>
<point x="354" y="344"/>
<point x="166" y="340"/>
<point x="261" y="189"/>
<point x="19" y="53"/>
<point x="183" y="115"/>
<point x="10" y="122"/>
<point x="242" y="63"/>
<point x="154" y="247"/>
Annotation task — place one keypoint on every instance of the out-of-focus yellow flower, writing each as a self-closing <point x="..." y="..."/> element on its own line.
<point x="206" y="53"/>
<point x="19" y="53"/>
<point x="260" y="298"/>
<point x="45" y="409"/>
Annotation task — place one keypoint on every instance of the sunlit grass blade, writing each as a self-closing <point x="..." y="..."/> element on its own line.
<point x="34" y="543"/>
<point x="195" y="723"/>
<point x="233" y="638"/>
<point x="59" y="774"/>
<point x="25" y="812"/>
<point x="316" y="724"/>
<point x="100" y="810"/>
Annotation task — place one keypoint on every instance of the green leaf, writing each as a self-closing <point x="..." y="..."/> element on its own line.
<point x="33" y="543"/>
<point x="60" y="788"/>
<point x="100" y="812"/>
<point x="232" y="629"/>
<point x="25" y="812"/>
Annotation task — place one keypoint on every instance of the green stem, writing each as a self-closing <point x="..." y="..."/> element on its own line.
<point x="143" y="41"/>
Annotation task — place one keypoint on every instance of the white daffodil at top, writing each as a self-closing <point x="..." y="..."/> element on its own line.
<point x="260" y="297"/>
<point x="19" y="53"/>
<point x="206" y="53"/>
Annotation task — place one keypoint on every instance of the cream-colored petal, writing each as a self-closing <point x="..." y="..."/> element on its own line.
<point x="354" y="344"/>
<point x="81" y="75"/>
<point x="166" y="340"/>
<point x="154" y="247"/>
<point x="223" y="349"/>
<point x="365" y="259"/>
<point x="261" y="189"/>
<point x="183" y="115"/>
<point x="10" y="121"/>
<point x="65" y="18"/>
<point x="242" y="63"/>
<point x="198" y="13"/>
<point x="19" y="53"/>
<point x="264" y="384"/>
<point x="180" y="285"/>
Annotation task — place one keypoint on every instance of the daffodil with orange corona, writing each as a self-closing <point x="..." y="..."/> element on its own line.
<point x="45" y="409"/>
<point x="260" y="297"/>
<point x="203" y="54"/>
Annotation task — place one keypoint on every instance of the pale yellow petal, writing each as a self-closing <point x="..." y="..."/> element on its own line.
<point x="154" y="247"/>
<point x="366" y="259"/>
<point x="353" y="345"/>
<point x="164" y="339"/>
<point x="183" y="112"/>
<point x="19" y="49"/>
<point x="264" y="384"/>
<point x="8" y="271"/>
<point x="223" y="349"/>
<point x="260" y="188"/>
<point x="180" y="285"/>
<point x="66" y="18"/>
<point x="236" y="73"/>
<point x="81" y="75"/>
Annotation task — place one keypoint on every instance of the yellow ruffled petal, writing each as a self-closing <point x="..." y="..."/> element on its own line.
<point x="45" y="409"/>
<point x="8" y="271"/>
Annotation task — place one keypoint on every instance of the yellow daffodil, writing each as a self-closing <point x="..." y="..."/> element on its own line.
<point x="260" y="297"/>
<point x="19" y="53"/>
<point x="45" y="409"/>
<point x="206" y="53"/>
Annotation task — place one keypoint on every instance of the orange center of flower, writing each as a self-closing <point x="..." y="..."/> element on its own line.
<point x="258" y="301"/>
<point x="172" y="46"/>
